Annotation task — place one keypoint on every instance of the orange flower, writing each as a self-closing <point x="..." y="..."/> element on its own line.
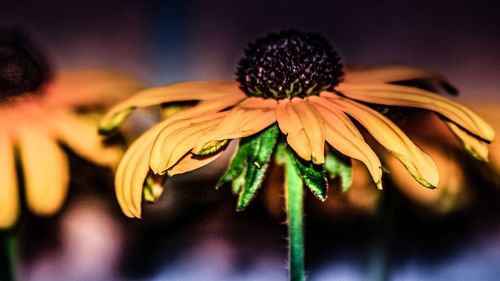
<point x="294" y="80"/>
<point x="34" y="123"/>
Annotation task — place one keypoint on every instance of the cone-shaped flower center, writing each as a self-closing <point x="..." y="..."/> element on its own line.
<point x="289" y="64"/>
<point x="19" y="72"/>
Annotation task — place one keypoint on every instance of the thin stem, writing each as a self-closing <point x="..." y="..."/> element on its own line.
<point x="294" y="207"/>
<point x="8" y="267"/>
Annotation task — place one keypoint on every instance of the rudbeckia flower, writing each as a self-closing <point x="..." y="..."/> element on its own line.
<point x="293" y="99"/>
<point x="37" y="115"/>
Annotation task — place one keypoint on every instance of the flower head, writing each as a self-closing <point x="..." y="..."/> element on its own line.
<point x="38" y="113"/>
<point x="293" y="80"/>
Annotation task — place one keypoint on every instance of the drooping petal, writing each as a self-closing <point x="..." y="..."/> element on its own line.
<point x="178" y="138"/>
<point x="303" y="124"/>
<point x="45" y="169"/>
<point x="395" y="95"/>
<point x="186" y="91"/>
<point x="82" y="137"/>
<point x="342" y="135"/>
<point x="314" y="127"/>
<point x="191" y="162"/>
<point x="477" y="148"/>
<point x="290" y="125"/>
<point x="9" y="193"/>
<point x="87" y="87"/>
<point x="419" y="164"/>
<point x="394" y="73"/>
<point x="133" y="170"/>
<point x="240" y="122"/>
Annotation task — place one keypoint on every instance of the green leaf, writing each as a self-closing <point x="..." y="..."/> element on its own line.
<point x="261" y="148"/>
<point x="238" y="163"/>
<point x="338" y="165"/>
<point x="249" y="165"/>
<point x="314" y="176"/>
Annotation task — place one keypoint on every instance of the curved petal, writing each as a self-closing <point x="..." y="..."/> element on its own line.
<point x="419" y="164"/>
<point x="191" y="162"/>
<point x="290" y="125"/>
<point x="9" y="193"/>
<point x="83" y="139"/>
<point x="87" y="87"/>
<point x="45" y="169"/>
<point x="304" y="127"/>
<point x="240" y="122"/>
<point x="395" y="95"/>
<point x="477" y="148"/>
<point x="133" y="170"/>
<point x="342" y="135"/>
<point x="186" y="91"/>
<point x="394" y="73"/>
<point x="178" y="138"/>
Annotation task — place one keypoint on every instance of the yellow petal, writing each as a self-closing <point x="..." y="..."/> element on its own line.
<point x="477" y="148"/>
<point x="290" y="125"/>
<point x="390" y="73"/>
<point x="452" y="191"/>
<point x="9" y="193"/>
<point x="186" y="91"/>
<point x="304" y="127"/>
<point x="82" y="137"/>
<point x="419" y="164"/>
<point x="178" y="138"/>
<point x="239" y="123"/>
<point x="191" y="162"/>
<point x="45" y="169"/>
<point x="342" y="135"/>
<point x="395" y="95"/>
<point x="313" y="126"/>
<point x="87" y="87"/>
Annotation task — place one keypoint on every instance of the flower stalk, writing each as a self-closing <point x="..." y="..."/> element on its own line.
<point x="294" y="196"/>
<point x="9" y="255"/>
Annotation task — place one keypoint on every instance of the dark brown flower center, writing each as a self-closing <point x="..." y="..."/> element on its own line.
<point x="20" y="69"/>
<point x="289" y="64"/>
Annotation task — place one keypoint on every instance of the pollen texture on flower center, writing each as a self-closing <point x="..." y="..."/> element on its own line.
<point x="289" y="64"/>
<point x="19" y="72"/>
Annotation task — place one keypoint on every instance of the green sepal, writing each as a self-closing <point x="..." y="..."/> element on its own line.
<point x="249" y="165"/>
<point x="114" y="122"/>
<point x="314" y="176"/>
<point x="153" y="188"/>
<point x="338" y="165"/>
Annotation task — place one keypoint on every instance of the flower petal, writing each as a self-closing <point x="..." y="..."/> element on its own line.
<point x="290" y="125"/>
<point x="477" y="148"/>
<point x="191" y="162"/>
<point x="419" y="164"/>
<point x="395" y="95"/>
<point x="133" y="170"/>
<point x="45" y="169"/>
<point x="342" y="135"/>
<point x="314" y="127"/>
<point x="82" y="137"/>
<point x="9" y="193"/>
<point x="298" y="119"/>
<point x="395" y="73"/>
<point x="240" y="122"/>
<point x="87" y="87"/>
<point x="178" y="138"/>
<point x="185" y="91"/>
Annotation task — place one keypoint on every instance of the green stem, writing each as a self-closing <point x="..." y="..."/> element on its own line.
<point x="8" y="267"/>
<point x="294" y="207"/>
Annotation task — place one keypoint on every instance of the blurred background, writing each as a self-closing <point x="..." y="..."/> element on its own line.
<point x="193" y="233"/>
